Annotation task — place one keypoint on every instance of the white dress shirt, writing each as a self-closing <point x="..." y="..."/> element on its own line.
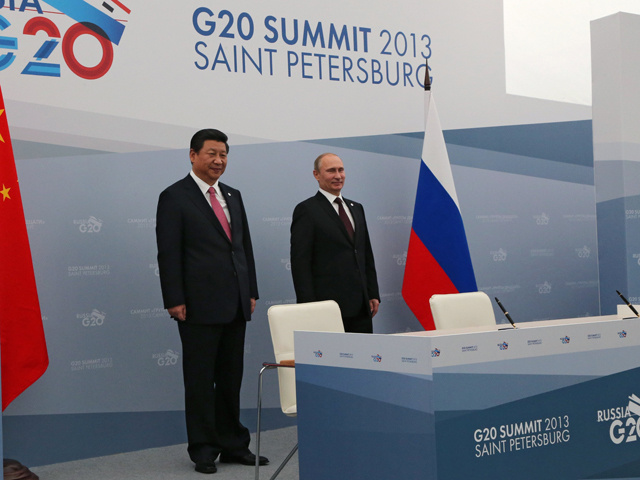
<point x="331" y="197"/>
<point x="204" y="187"/>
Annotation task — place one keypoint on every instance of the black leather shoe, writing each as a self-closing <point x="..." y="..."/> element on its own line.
<point x="248" y="459"/>
<point x="206" y="467"/>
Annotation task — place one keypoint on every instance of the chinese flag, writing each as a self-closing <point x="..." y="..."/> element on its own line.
<point x="22" y="345"/>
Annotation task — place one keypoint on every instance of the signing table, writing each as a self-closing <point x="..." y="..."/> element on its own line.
<point x="552" y="399"/>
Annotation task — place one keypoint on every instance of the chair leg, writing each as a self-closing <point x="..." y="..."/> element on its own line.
<point x="282" y="465"/>
<point x="258" y="426"/>
<point x="293" y="451"/>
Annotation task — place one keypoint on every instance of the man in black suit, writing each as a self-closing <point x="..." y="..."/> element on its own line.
<point x="208" y="280"/>
<point x="331" y="256"/>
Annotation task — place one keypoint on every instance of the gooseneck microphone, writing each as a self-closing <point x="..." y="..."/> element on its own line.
<point x="506" y="314"/>
<point x="628" y="304"/>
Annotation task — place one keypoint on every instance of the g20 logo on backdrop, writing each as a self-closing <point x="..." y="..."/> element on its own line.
<point x="625" y="421"/>
<point x="166" y="359"/>
<point x="89" y="24"/>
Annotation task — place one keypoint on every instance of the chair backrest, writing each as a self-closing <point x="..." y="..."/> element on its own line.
<point x="625" y="311"/>
<point x="283" y="321"/>
<point x="457" y="310"/>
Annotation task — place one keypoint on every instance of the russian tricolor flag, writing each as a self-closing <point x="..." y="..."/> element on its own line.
<point x="438" y="259"/>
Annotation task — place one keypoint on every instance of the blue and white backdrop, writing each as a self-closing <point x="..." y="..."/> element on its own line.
<point x="101" y="128"/>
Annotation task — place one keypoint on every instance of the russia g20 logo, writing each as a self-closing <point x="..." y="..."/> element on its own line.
<point x="544" y="288"/>
<point x="102" y="27"/>
<point x="625" y="421"/>
<point x="93" y="225"/>
<point x="167" y="358"/>
<point x="583" y="252"/>
<point x="542" y="219"/>
<point x="499" y="255"/>
<point x="94" y="319"/>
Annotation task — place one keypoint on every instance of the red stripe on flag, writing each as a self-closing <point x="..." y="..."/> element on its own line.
<point x="423" y="277"/>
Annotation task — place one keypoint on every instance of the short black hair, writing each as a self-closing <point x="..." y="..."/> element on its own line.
<point x="197" y="141"/>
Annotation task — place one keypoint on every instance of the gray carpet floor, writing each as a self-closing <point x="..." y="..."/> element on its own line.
<point x="168" y="463"/>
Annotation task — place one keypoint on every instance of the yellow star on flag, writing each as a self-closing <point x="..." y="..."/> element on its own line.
<point x="1" y="112"/>
<point x="5" y="193"/>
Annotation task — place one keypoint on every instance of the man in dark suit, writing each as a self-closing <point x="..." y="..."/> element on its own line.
<point x="331" y="256"/>
<point x="208" y="280"/>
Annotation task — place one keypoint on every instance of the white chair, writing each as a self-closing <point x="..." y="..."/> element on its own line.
<point x="457" y="310"/>
<point x="625" y="311"/>
<point x="283" y="321"/>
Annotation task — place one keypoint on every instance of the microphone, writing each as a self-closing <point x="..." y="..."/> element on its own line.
<point x="628" y="304"/>
<point x="506" y="314"/>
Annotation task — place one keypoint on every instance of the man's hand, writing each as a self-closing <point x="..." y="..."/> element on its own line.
<point x="253" y="304"/>
<point x="373" y="305"/>
<point x="179" y="312"/>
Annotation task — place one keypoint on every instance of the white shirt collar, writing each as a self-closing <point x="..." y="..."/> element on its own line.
<point x="330" y="196"/>
<point x="204" y="186"/>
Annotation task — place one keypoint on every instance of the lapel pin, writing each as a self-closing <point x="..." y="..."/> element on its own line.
<point x="229" y="194"/>
<point x="352" y="204"/>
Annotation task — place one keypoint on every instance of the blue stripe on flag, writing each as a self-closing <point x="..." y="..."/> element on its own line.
<point x="438" y="224"/>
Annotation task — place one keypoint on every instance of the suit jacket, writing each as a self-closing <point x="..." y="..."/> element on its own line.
<point x="199" y="266"/>
<point x="325" y="263"/>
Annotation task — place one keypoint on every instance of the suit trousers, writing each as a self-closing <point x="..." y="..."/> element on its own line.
<point x="361" y="323"/>
<point x="212" y="364"/>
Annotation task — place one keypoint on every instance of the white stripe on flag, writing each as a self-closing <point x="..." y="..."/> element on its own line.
<point x="434" y="150"/>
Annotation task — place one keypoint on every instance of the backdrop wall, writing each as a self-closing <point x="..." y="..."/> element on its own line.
<point x="287" y="80"/>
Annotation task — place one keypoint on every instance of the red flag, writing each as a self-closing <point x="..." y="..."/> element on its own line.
<point x="23" y="349"/>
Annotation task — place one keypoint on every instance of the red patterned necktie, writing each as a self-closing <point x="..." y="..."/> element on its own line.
<point x="344" y="217"/>
<point x="217" y="208"/>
